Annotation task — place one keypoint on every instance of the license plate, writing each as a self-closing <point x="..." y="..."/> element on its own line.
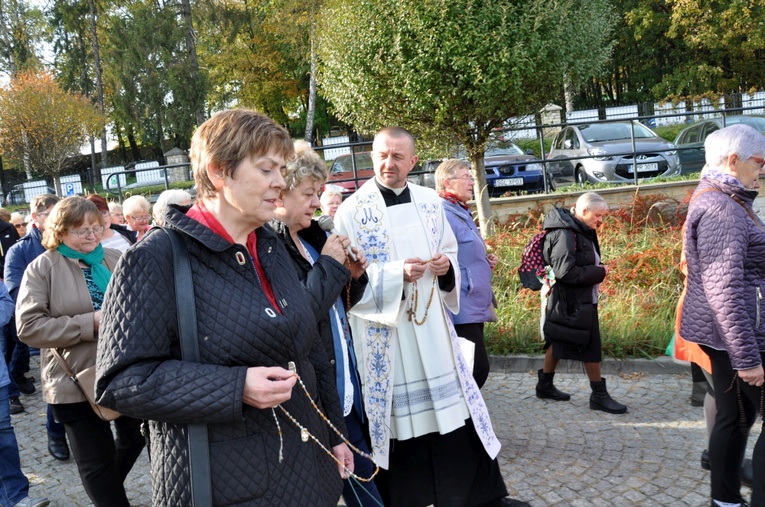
<point x="644" y="168"/>
<point x="509" y="182"/>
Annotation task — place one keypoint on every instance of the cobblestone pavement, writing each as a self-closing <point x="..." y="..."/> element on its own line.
<point x="553" y="453"/>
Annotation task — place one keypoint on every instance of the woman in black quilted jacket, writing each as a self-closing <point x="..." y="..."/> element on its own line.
<point x="570" y="327"/>
<point x="261" y="358"/>
<point x="724" y="246"/>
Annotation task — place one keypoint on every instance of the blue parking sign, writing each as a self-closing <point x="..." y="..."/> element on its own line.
<point x="69" y="189"/>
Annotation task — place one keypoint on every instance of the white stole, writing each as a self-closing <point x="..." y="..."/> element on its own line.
<point x="365" y="219"/>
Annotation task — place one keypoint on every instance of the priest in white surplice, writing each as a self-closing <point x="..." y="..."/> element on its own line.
<point x="428" y="424"/>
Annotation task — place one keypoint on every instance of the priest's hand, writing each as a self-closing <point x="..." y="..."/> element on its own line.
<point x="439" y="265"/>
<point x="414" y="269"/>
<point x="344" y="455"/>
<point x="267" y="387"/>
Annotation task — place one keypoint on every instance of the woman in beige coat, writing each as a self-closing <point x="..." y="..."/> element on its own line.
<point x="59" y="306"/>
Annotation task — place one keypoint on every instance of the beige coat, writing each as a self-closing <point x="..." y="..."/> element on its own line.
<point x="54" y="309"/>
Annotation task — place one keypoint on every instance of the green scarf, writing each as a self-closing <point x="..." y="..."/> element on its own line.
<point x="100" y="273"/>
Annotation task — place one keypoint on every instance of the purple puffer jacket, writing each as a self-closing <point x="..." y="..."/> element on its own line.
<point x="725" y="251"/>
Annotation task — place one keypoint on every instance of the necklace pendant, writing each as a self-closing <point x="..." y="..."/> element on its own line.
<point x="304" y="435"/>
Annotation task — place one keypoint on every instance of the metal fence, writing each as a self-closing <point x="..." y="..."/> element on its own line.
<point x="655" y="114"/>
<point x="527" y="127"/>
<point x="117" y="180"/>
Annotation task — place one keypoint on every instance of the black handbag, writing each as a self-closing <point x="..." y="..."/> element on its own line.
<point x="568" y="322"/>
<point x="199" y="449"/>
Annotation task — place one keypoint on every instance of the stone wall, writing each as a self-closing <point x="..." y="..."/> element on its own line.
<point x="617" y="197"/>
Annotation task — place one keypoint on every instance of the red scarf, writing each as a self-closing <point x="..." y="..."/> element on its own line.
<point x="202" y="215"/>
<point x="453" y="199"/>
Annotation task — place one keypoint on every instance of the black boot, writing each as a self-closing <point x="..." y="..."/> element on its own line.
<point x="601" y="400"/>
<point x="546" y="389"/>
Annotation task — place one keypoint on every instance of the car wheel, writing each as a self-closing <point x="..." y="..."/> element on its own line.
<point x="580" y="176"/>
<point x="550" y="183"/>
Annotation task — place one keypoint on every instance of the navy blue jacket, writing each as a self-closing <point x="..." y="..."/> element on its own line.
<point x="19" y="256"/>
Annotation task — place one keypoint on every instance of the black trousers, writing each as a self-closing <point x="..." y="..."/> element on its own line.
<point x="103" y="461"/>
<point x="451" y="470"/>
<point x="474" y="333"/>
<point x="738" y="404"/>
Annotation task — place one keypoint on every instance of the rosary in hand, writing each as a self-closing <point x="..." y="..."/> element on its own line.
<point x="305" y="435"/>
<point x="412" y="311"/>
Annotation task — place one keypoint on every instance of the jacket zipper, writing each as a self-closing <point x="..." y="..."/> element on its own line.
<point x="757" y="308"/>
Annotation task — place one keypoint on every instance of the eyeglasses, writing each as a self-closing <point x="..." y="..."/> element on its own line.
<point x="467" y="177"/>
<point x="84" y="233"/>
<point x="105" y="214"/>
<point x="116" y="214"/>
<point x="759" y="160"/>
<point x="144" y="218"/>
<point x="22" y="225"/>
<point x="43" y="214"/>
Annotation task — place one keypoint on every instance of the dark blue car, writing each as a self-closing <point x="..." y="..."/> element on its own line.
<point x="510" y="169"/>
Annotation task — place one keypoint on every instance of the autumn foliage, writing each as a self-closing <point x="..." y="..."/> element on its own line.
<point x="42" y="125"/>
<point x="640" y="242"/>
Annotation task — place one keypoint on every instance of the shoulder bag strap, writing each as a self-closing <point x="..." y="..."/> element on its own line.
<point x="199" y="449"/>
<point x="65" y="366"/>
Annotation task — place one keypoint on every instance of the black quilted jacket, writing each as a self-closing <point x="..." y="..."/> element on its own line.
<point x="140" y="372"/>
<point x="725" y="251"/>
<point x="323" y="281"/>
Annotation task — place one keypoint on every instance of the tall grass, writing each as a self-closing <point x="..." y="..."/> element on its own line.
<point x="640" y="243"/>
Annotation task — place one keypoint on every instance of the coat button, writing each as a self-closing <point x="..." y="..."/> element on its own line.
<point x="332" y="362"/>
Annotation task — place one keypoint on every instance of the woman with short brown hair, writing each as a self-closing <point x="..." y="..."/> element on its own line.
<point x="256" y="336"/>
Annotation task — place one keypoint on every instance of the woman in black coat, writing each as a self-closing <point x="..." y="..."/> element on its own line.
<point x="256" y="329"/>
<point x="570" y="315"/>
<point x="320" y="262"/>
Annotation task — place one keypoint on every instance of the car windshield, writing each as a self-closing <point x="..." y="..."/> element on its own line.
<point x="343" y="163"/>
<point x="753" y="121"/>
<point x="601" y="132"/>
<point x="501" y="149"/>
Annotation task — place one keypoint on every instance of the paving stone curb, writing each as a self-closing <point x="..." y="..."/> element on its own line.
<point x="525" y="363"/>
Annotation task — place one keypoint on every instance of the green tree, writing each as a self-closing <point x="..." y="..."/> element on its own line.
<point x="154" y="83"/>
<point x="257" y="53"/>
<point x="723" y="45"/>
<point x="678" y="50"/>
<point x="455" y="68"/>
<point x="22" y="30"/>
<point x="41" y="121"/>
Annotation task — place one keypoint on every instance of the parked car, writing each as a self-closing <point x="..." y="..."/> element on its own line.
<point x="341" y="172"/>
<point x="20" y="195"/>
<point x="423" y="173"/>
<point x="606" y="154"/>
<point x="510" y="169"/>
<point x="690" y="140"/>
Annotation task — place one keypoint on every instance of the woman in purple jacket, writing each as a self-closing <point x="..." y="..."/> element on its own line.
<point x="455" y="186"/>
<point x="725" y="249"/>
